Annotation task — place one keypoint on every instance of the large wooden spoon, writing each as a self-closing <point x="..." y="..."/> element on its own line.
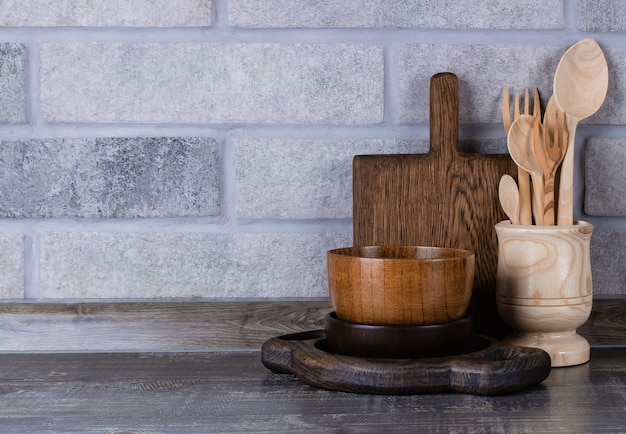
<point x="509" y="198"/>
<point x="580" y="85"/>
<point x="522" y="150"/>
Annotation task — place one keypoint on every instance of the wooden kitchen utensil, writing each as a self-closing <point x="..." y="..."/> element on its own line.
<point x="523" y="177"/>
<point x="580" y="85"/>
<point x="443" y="198"/>
<point x="521" y="147"/>
<point x="550" y="150"/>
<point x="509" y="198"/>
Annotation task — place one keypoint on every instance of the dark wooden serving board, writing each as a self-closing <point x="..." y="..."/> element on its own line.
<point x="443" y="198"/>
<point x="491" y="369"/>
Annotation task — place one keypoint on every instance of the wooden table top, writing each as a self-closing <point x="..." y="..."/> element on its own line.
<point x="232" y="391"/>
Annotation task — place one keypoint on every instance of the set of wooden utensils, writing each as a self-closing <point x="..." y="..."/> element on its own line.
<point x="543" y="146"/>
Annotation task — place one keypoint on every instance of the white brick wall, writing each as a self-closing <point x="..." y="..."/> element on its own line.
<point x="199" y="148"/>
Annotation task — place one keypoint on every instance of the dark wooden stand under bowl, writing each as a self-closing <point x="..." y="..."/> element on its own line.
<point x="398" y="341"/>
<point x="490" y="368"/>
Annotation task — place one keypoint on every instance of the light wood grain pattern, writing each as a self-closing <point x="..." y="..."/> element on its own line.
<point x="234" y="393"/>
<point x="442" y="198"/>
<point x="523" y="177"/>
<point x="544" y="287"/>
<point x="550" y="149"/>
<point x="580" y="86"/>
<point x="509" y="198"/>
<point x="520" y="142"/>
<point x="202" y="325"/>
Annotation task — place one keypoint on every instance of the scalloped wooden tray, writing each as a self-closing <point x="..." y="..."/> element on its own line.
<point x="491" y="368"/>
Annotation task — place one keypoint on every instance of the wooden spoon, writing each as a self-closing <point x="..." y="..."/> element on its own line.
<point x="580" y="85"/>
<point x="509" y="198"/>
<point x="522" y="150"/>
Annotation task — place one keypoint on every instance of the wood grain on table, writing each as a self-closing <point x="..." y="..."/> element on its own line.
<point x="202" y="325"/>
<point x="231" y="392"/>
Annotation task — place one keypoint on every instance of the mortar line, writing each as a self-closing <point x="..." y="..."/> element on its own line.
<point x="392" y="84"/>
<point x="32" y="279"/>
<point x="219" y="14"/>
<point x="570" y="15"/>
<point x="221" y="32"/>
<point x="33" y="85"/>
<point x="228" y="179"/>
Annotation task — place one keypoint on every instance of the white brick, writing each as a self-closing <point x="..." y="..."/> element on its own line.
<point x="483" y="71"/>
<point x="133" y="13"/>
<point x="469" y="14"/>
<point x="11" y="265"/>
<point x="605" y="179"/>
<point x="601" y="15"/>
<point x="13" y="83"/>
<point x="303" y="178"/>
<point x="608" y="262"/>
<point x="110" y="177"/>
<point x="205" y="82"/>
<point x="155" y="265"/>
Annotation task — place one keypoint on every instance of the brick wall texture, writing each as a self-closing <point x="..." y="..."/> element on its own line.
<point x="203" y="149"/>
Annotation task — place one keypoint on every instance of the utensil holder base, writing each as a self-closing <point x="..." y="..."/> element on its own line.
<point x="564" y="348"/>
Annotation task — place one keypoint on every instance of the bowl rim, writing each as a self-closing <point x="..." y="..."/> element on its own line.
<point x="357" y="252"/>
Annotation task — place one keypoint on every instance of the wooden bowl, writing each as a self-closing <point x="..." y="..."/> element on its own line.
<point x="398" y="341"/>
<point x="400" y="285"/>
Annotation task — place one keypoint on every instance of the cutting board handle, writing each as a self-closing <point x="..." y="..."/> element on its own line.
<point x="444" y="115"/>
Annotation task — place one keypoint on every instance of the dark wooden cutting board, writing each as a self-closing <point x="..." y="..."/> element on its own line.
<point x="443" y="198"/>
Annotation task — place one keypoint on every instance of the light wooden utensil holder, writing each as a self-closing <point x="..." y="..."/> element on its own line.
<point x="543" y="287"/>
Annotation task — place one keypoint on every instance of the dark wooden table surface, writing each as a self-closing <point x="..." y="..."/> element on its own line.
<point x="229" y="392"/>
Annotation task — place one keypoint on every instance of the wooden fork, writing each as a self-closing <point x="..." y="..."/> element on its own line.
<point x="523" y="177"/>
<point x="550" y="150"/>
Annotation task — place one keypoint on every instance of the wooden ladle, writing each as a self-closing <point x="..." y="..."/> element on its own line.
<point x="522" y="150"/>
<point x="580" y="85"/>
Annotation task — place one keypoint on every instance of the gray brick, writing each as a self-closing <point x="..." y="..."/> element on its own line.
<point x="12" y="83"/>
<point x="11" y="265"/>
<point x="160" y="265"/>
<point x="605" y="179"/>
<point x="136" y="13"/>
<point x="303" y="178"/>
<point x="110" y="177"/>
<point x="205" y="82"/>
<point x="471" y="14"/>
<point x="613" y="111"/>
<point x="601" y="15"/>
<point x="608" y="262"/>
<point x="483" y="71"/>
